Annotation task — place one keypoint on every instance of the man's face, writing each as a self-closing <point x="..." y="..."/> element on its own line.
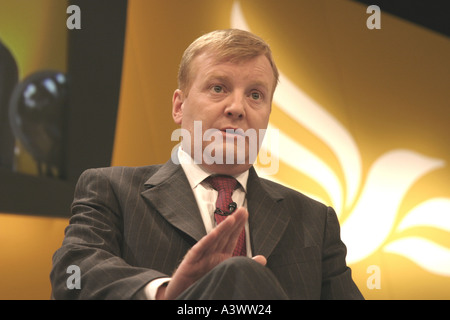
<point x="225" y="95"/>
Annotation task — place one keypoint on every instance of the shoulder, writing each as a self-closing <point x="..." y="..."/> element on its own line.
<point x="295" y="201"/>
<point x="117" y="176"/>
<point x="302" y="209"/>
<point x="287" y="193"/>
<point x="121" y="171"/>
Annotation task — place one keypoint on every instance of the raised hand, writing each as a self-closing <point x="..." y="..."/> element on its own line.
<point x="210" y="251"/>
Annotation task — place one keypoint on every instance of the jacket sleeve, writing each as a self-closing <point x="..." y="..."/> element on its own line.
<point x="337" y="282"/>
<point x="92" y="248"/>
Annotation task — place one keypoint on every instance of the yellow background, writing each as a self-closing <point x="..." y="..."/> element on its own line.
<point x="388" y="87"/>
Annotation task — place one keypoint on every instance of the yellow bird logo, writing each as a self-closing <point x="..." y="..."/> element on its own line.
<point x="370" y="206"/>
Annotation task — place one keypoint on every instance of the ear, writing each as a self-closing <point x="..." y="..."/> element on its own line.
<point x="177" y="106"/>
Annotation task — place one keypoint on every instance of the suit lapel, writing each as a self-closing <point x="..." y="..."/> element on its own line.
<point x="170" y="194"/>
<point x="168" y="191"/>
<point x="268" y="218"/>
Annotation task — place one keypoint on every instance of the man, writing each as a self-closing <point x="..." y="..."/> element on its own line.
<point x="154" y="233"/>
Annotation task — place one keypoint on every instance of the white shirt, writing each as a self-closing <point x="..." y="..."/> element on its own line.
<point x="206" y="197"/>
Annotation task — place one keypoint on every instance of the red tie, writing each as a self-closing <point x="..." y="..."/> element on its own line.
<point x="225" y="185"/>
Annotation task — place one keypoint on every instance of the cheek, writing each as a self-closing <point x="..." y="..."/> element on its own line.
<point x="258" y="119"/>
<point x="197" y="108"/>
<point x="189" y="114"/>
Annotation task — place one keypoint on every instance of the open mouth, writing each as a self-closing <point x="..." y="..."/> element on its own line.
<point x="232" y="132"/>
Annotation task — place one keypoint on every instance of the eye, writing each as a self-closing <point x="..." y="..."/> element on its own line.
<point x="217" y="89"/>
<point x="256" y="95"/>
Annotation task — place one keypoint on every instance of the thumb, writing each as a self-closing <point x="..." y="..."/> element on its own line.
<point x="260" y="259"/>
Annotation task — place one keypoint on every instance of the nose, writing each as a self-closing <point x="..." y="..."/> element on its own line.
<point x="236" y="107"/>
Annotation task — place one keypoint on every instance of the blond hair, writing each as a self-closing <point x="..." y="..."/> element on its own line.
<point x="232" y="45"/>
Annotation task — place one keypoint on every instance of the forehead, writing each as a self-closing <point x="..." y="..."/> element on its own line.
<point x="207" y="65"/>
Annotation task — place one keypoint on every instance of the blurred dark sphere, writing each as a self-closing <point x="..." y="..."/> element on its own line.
<point x="37" y="115"/>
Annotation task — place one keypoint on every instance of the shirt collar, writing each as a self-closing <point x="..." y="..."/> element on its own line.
<point x="196" y="174"/>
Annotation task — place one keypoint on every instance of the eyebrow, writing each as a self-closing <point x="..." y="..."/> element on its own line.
<point x="214" y="75"/>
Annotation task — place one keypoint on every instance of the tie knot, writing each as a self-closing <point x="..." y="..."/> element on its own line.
<point x="222" y="183"/>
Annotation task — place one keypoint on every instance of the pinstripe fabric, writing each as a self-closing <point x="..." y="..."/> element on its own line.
<point x="132" y="225"/>
<point x="255" y="283"/>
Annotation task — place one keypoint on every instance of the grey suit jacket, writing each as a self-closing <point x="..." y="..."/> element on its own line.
<point x="132" y="225"/>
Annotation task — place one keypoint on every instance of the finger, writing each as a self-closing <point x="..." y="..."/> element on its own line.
<point x="205" y="246"/>
<point x="222" y="238"/>
<point x="260" y="259"/>
<point x="230" y="239"/>
<point x="215" y="240"/>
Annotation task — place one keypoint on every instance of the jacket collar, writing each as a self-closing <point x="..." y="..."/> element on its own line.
<point x="169" y="192"/>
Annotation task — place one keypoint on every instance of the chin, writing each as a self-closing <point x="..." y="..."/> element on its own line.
<point x="226" y="169"/>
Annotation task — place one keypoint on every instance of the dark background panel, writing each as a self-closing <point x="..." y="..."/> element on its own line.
<point x="94" y="73"/>
<point x="431" y="14"/>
